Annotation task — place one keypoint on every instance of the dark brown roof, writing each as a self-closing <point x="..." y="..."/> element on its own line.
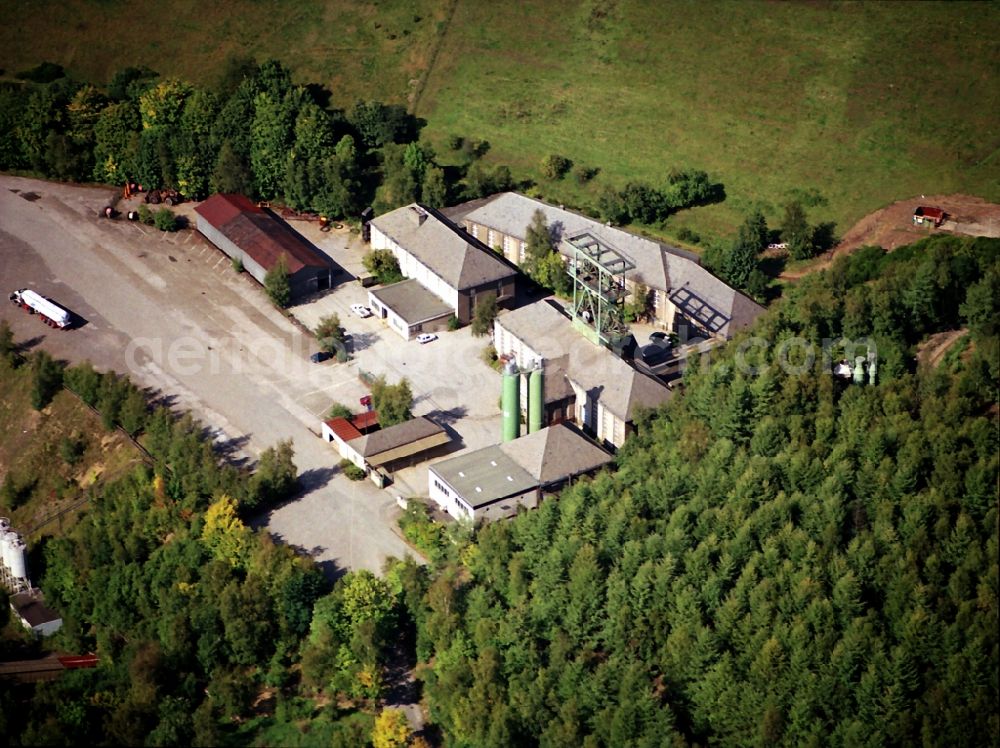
<point x="259" y="233"/>
<point x="396" y="436"/>
<point x="32" y="609"/>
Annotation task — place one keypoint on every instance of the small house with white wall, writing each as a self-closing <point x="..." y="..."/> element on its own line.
<point x="583" y="382"/>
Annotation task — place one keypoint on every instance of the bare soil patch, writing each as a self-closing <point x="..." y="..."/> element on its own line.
<point x="932" y="350"/>
<point x="893" y="227"/>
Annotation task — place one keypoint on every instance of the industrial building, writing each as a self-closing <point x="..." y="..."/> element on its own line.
<point x="457" y="269"/>
<point x="580" y="381"/>
<point x="377" y="450"/>
<point x="257" y="239"/>
<point x="409" y="308"/>
<point x="684" y="294"/>
<point x="491" y="483"/>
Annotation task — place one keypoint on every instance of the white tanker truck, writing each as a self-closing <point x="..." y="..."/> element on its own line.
<point x="51" y="313"/>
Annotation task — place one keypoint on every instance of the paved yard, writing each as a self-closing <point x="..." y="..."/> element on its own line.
<point x="169" y="310"/>
<point x="450" y="382"/>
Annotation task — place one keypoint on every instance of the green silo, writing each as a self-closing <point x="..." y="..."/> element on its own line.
<point x="536" y="399"/>
<point x="859" y="370"/>
<point x="511" y="402"/>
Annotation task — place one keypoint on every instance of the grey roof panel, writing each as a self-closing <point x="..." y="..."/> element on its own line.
<point x="411" y="301"/>
<point x="657" y="265"/>
<point x="459" y="259"/>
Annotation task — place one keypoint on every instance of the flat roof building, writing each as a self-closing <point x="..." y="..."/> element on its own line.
<point x="409" y="308"/>
<point x="258" y="238"/>
<point x="492" y="482"/>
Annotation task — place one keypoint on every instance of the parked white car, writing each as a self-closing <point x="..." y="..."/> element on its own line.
<point x="361" y="310"/>
<point x="426" y="337"/>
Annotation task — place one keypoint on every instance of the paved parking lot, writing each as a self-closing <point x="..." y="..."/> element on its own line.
<point x="169" y="310"/>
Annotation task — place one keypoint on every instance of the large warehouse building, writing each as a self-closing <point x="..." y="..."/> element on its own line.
<point x="258" y="238"/>
<point x="683" y="292"/>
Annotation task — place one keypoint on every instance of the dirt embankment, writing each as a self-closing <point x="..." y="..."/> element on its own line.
<point x="893" y="226"/>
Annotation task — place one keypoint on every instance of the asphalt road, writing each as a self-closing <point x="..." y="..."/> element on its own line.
<point x="170" y="311"/>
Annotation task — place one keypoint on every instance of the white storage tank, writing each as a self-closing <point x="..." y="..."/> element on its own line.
<point x="16" y="548"/>
<point x="6" y="536"/>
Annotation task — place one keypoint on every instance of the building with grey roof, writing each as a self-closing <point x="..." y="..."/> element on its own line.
<point x="409" y="308"/>
<point x="684" y="293"/>
<point x="376" y="450"/>
<point x="606" y="391"/>
<point x="34" y="614"/>
<point x="458" y="269"/>
<point x="491" y="483"/>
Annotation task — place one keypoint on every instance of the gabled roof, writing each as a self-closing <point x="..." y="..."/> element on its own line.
<point x="32" y="610"/>
<point x="459" y="259"/>
<point x="343" y="428"/>
<point x="555" y="453"/>
<point x="616" y="384"/>
<point x="657" y="265"/>
<point x="400" y="435"/>
<point x="259" y="233"/>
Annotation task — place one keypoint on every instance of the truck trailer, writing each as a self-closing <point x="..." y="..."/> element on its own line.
<point x="51" y="313"/>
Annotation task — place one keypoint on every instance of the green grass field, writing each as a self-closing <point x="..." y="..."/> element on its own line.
<point x="862" y="103"/>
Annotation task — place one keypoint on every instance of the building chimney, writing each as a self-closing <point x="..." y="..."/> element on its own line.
<point x="418" y="215"/>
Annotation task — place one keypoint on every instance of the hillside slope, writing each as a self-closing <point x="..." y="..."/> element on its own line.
<point x="834" y="102"/>
<point x="782" y="557"/>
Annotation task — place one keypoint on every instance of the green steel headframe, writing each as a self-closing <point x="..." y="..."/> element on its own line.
<point x="598" y="273"/>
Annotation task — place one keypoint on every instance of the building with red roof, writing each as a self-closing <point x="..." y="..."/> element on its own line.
<point x="928" y="216"/>
<point x="258" y="238"/>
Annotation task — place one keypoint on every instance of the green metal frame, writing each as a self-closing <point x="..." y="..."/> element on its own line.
<point x="598" y="273"/>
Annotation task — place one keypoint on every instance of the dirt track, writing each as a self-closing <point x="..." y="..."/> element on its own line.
<point x="892" y="226"/>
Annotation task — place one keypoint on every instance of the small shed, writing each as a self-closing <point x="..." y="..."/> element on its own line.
<point x="362" y="442"/>
<point x="927" y="216"/>
<point x="33" y="614"/>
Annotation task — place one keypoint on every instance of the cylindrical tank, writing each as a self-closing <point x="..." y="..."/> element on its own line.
<point x="871" y="371"/>
<point x="5" y="538"/>
<point x="859" y="370"/>
<point x="16" y="549"/>
<point x="536" y="399"/>
<point x="511" y="402"/>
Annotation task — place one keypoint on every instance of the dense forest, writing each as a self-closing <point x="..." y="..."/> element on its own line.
<point x="780" y="558"/>
<point x="207" y="631"/>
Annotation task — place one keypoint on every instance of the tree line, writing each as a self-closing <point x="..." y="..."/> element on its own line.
<point x="255" y="132"/>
